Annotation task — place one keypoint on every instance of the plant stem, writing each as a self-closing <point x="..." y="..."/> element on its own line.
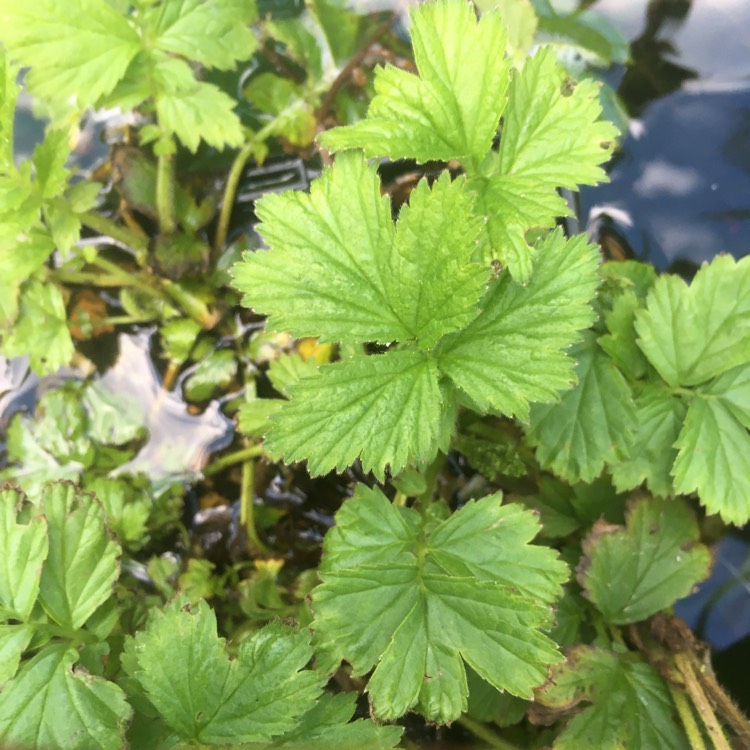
<point x="128" y="279"/>
<point x="230" y="191"/>
<point x="701" y="702"/>
<point x="692" y="730"/>
<point x="121" y="234"/>
<point x="485" y="733"/>
<point x="83" y="277"/>
<point x="192" y="305"/>
<point x="247" y="506"/>
<point x="165" y="178"/>
<point x="232" y="458"/>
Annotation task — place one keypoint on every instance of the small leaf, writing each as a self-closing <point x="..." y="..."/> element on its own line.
<point x="452" y="110"/>
<point x="630" y="703"/>
<point x="651" y="454"/>
<point x="511" y="353"/>
<point x="691" y="334"/>
<point x="385" y="409"/>
<point x="633" y="572"/>
<point x="590" y="424"/>
<point x="207" y="698"/>
<point x="23" y="550"/>
<point x="41" y="330"/>
<point x="212" y="373"/>
<point x="713" y="460"/>
<point x="82" y="564"/>
<point x="418" y="599"/>
<point x="14" y="640"/>
<point x="549" y="138"/>
<point x="51" y="705"/>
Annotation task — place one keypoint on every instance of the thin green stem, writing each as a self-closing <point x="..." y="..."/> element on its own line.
<point x="687" y="717"/>
<point x="400" y="499"/>
<point x="232" y="458"/>
<point x="230" y="191"/>
<point x="247" y="506"/>
<point x="485" y="734"/>
<point x="129" y="279"/>
<point x="113" y="320"/>
<point x="84" y="277"/>
<point x="192" y="305"/>
<point x="123" y="235"/>
<point x="165" y="179"/>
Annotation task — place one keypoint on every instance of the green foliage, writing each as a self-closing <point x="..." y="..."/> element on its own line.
<point x="659" y="544"/>
<point x="630" y="702"/>
<point x="418" y="597"/>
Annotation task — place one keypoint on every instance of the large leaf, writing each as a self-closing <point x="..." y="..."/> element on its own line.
<point x="95" y="42"/>
<point x="205" y="697"/>
<point x="630" y="703"/>
<point x="23" y="550"/>
<point x="713" y="460"/>
<point x="51" y="705"/>
<point x="451" y="110"/>
<point x="385" y="409"/>
<point x="691" y="334"/>
<point x="416" y="599"/>
<point x="512" y="353"/>
<point x="633" y="572"/>
<point x="591" y="424"/>
<point x="83" y="563"/>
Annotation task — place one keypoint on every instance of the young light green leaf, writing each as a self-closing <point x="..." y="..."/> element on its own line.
<point x="95" y="41"/>
<point x="713" y="460"/>
<point x="633" y="572"/>
<point x="23" y="550"/>
<point x="41" y="330"/>
<point x="511" y="353"/>
<point x="591" y="424"/>
<point x="550" y="138"/>
<point x="418" y="599"/>
<point x="651" y="454"/>
<point x="630" y="703"/>
<point x="51" y="705"/>
<point x="511" y="206"/>
<point x="82" y="564"/>
<point x="8" y="94"/>
<point x="452" y="110"/>
<point x="324" y="273"/>
<point x="126" y="506"/>
<point x="214" y="33"/>
<point x="385" y="409"/>
<point x="429" y="279"/>
<point x="620" y="342"/>
<point x="691" y="334"/>
<point x="205" y="697"/>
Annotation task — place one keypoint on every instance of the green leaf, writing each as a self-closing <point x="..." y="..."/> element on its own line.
<point x="691" y="334"/>
<point x="340" y="27"/>
<point x="41" y="330"/>
<point x="324" y="273"/>
<point x="126" y="507"/>
<point x="511" y="206"/>
<point x="550" y="138"/>
<point x="8" y="94"/>
<point x="432" y="286"/>
<point x="214" y="372"/>
<point x="290" y="368"/>
<point x="14" y="640"/>
<point x="214" y="33"/>
<point x="651" y="454"/>
<point x="620" y="342"/>
<point x="633" y="572"/>
<point x="82" y="564"/>
<point x="732" y="389"/>
<point x="419" y="598"/>
<point x="452" y="110"/>
<point x="630" y="703"/>
<point x="385" y="409"/>
<point x="511" y="353"/>
<point x="713" y="460"/>
<point x="325" y="727"/>
<point x="193" y="110"/>
<point x="23" y="550"/>
<point x="51" y="705"/>
<point x="591" y="424"/>
<point x="96" y="43"/>
<point x="205" y="697"/>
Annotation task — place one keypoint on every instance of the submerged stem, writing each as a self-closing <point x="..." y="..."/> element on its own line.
<point x="231" y="459"/>
<point x="247" y="506"/>
<point x="165" y="177"/>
